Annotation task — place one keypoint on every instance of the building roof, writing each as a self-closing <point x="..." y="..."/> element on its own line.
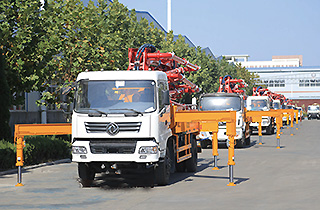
<point x="208" y="51"/>
<point x="285" y="69"/>
<point x="149" y="18"/>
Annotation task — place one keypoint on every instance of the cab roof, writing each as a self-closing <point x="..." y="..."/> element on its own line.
<point x="220" y="95"/>
<point x="122" y="75"/>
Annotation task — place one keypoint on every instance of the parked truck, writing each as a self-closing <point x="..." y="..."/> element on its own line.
<point x="230" y="96"/>
<point x="313" y="111"/>
<point x="225" y="102"/>
<point x="122" y="120"/>
<point x="261" y="103"/>
<point x="276" y="104"/>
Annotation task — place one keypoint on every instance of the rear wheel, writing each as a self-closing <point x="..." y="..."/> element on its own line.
<point x="181" y="167"/>
<point x="191" y="163"/>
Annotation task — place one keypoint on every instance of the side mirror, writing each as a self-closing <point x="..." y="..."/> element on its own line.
<point x="166" y="97"/>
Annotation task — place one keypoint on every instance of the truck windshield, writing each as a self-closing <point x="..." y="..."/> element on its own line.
<point x="276" y="105"/>
<point x="258" y="105"/>
<point x="115" y="96"/>
<point x="220" y="103"/>
<point x="289" y="107"/>
<point x="313" y="108"/>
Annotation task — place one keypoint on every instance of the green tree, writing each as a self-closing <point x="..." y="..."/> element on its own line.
<point x="90" y="38"/>
<point x="49" y="48"/>
<point x="5" y="132"/>
<point x="22" y="37"/>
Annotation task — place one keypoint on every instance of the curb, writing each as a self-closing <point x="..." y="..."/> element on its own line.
<point x="14" y="171"/>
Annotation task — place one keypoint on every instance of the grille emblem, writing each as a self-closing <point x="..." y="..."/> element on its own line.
<point x="113" y="129"/>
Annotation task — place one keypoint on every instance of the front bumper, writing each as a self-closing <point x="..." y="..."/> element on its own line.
<point x="265" y="123"/>
<point x="105" y="154"/>
<point x="313" y="115"/>
<point x="222" y="134"/>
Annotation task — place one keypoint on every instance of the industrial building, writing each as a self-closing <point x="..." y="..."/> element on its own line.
<point x="285" y="75"/>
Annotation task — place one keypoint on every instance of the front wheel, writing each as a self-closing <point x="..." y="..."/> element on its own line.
<point x="270" y="129"/>
<point x="248" y="141"/>
<point x="204" y="144"/>
<point x="241" y="142"/>
<point x="86" y="174"/>
<point x="162" y="171"/>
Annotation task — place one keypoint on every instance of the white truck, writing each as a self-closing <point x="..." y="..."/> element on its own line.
<point x="225" y="102"/>
<point x="120" y="126"/>
<point x="276" y="104"/>
<point x="261" y="103"/>
<point x="313" y="111"/>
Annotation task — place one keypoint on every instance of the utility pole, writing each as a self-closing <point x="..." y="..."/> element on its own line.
<point x="168" y="15"/>
<point x="42" y="4"/>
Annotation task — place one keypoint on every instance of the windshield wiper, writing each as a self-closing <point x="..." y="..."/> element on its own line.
<point x="99" y="111"/>
<point x="133" y="110"/>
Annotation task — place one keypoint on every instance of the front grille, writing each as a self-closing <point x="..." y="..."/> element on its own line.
<point x="101" y="127"/>
<point x="103" y="147"/>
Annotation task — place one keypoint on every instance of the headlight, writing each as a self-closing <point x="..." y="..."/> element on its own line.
<point x="148" y="150"/>
<point x="79" y="150"/>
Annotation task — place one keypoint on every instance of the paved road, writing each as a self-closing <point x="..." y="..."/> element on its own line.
<point x="266" y="178"/>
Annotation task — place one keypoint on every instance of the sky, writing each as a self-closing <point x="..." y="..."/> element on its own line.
<point x="258" y="28"/>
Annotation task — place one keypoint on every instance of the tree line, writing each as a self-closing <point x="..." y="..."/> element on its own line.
<point x="49" y="46"/>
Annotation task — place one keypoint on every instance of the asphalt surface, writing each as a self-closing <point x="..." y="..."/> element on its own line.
<point x="266" y="178"/>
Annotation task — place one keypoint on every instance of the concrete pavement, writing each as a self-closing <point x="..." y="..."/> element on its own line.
<point x="266" y="178"/>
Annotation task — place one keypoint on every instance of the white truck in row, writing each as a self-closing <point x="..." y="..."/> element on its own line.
<point x="121" y="125"/>
<point x="313" y="111"/>
<point x="261" y="103"/>
<point x="225" y="102"/>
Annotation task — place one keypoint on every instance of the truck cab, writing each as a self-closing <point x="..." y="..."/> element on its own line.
<point x="225" y="102"/>
<point x="261" y="103"/>
<point x="276" y="104"/>
<point x="120" y="121"/>
<point x="313" y="111"/>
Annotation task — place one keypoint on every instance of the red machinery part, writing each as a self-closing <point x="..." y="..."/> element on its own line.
<point x="229" y="85"/>
<point x="145" y="59"/>
<point x="259" y="91"/>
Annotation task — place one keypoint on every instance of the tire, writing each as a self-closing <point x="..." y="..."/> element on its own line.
<point x="191" y="163"/>
<point x="86" y="174"/>
<point x="181" y="167"/>
<point x="241" y="142"/>
<point x="163" y="170"/>
<point x="204" y="144"/>
<point x="248" y="141"/>
<point x="269" y="129"/>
